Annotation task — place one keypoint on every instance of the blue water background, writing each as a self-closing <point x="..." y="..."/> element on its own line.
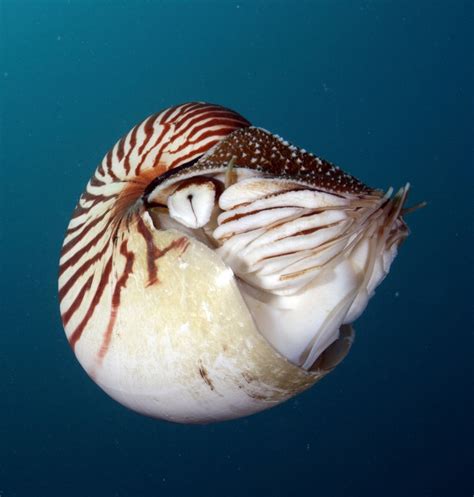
<point x="381" y="88"/>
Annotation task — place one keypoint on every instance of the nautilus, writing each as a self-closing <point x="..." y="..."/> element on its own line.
<point x="212" y="270"/>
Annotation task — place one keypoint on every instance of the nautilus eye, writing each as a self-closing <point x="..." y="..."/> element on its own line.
<point x="212" y="270"/>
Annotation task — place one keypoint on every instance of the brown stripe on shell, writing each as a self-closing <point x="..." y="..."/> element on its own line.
<point x="109" y="164"/>
<point x="148" y="130"/>
<point x="70" y="244"/>
<point x="133" y="142"/>
<point x="96" y="182"/>
<point x="159" y="141"/>
<point x="121" y="148"/>
<point x="154" y="253"/>
<point x="77" y="333"/>
<point x="79" y="271"/>
<point x="75" y="258"/>
<point x="93" y="199"/>
<point x="116" y="296"/>
<point x="88" y="223"/>
<point x="77" y="301"/>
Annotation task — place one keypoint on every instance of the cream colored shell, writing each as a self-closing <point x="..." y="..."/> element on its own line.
<point x="187" y="352"/>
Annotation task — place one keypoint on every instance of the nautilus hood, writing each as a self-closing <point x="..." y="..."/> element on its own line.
<point x="212" y="269"/>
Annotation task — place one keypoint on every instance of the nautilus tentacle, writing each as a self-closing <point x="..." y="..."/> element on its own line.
<point x="212" y="270"/>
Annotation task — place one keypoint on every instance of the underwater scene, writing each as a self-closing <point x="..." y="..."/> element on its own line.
<point x="237" y="248"/>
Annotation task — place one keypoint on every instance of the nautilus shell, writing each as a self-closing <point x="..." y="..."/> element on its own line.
<point x="212" y="270"/>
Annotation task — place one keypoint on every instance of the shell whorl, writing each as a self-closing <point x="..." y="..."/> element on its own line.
<point x="96" y="260"/>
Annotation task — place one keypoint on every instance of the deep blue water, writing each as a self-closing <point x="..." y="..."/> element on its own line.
<point x="384" y="89"/>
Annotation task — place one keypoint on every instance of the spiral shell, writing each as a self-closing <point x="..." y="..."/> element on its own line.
<point x="212" y="270"/>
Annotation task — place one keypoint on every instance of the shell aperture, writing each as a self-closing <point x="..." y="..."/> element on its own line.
<point x="212" y="270"/>
<point x="295" y="230"/>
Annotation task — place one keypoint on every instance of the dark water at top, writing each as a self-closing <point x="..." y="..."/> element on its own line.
<point x="383" y="89"/>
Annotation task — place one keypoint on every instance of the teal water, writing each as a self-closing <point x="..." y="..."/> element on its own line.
<point x="381" y="88"/>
